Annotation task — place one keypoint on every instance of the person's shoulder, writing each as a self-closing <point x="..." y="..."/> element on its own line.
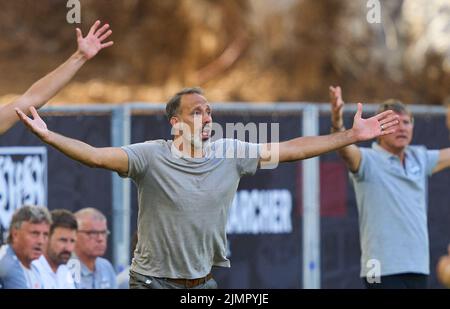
<point x="151" y="143"/>
<point x="367" y="150"/>
<point x="3" y="251"/>
<point x="223" y="141"/>
<point x="228" y="142"/>
<point x="10" y="269"/>
<point x="417" y="150"/>
<point x="156" y="142"/>
<point x="148" y="146"/>
<point x="102" y="261"/>
<point x="7" y="256"/>
<point x="224" y="145"/>
<point x="104" y="264"/>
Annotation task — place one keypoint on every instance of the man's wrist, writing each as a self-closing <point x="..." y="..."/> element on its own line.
<point x="79" y="56"/>
<point x="47" y="138"/>
<point x="337" y="128"/>
<point x="352" y="136"/>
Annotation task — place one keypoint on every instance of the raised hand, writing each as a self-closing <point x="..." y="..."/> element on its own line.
<point x="90" y="45"/>
<point x="35" y="125"/>
<point x="378" y="125"/>
<point x="337" y="106"/>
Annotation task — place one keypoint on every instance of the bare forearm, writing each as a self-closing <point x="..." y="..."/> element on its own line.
<point x="41" y="91"/>
<point x="311" y="146"/>
<point x="77" y="150"/>
<point x="110" y="158"/>
<point x="350" y="154"/>
<point x="47" y="87"/>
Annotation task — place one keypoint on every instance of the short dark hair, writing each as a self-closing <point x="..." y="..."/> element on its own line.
<point x="172" y="107"/>
<point x="64" y="219"/>
<point x="28" y="213"/>
<point x="396" y="106"/>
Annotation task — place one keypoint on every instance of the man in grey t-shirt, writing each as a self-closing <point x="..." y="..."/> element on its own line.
<point x="186" y="186"/>
<point x="390" y="181"/>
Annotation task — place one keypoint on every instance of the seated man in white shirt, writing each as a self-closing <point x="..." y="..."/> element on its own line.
<point x="52" y="264"/>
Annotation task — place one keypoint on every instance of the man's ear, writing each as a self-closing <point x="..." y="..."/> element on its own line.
<point x="173" y="121"/>
<point x="14" y="233"/>
<point x="176" y="126"/>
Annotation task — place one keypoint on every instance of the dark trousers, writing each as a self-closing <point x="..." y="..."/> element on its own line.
<point x="400" y="281"/>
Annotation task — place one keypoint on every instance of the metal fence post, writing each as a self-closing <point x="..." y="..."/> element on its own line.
<point x="120" y="135"/>
<point x="311" y="205"/>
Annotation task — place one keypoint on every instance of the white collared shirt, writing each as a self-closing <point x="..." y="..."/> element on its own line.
<point x="32" y="278"/>
<point x="62" y="279"/>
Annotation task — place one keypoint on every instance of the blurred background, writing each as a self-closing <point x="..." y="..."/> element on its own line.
<point x="238" y="50"/>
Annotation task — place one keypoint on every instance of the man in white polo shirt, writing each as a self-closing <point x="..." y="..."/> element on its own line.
<point x="52" y="264"/>
<point x="391" y="184"/>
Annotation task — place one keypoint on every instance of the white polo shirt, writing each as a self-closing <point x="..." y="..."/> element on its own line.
<point x="62" y="279"/>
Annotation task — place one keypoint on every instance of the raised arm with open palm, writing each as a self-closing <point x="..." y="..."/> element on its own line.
<point x="93" y="42"/>
<point x="47" y="87"/>
<point x="351" y="154"/>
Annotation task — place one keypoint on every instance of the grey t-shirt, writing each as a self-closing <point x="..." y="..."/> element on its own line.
<point x="184" y="204"/>
<point x="392" y="207"/>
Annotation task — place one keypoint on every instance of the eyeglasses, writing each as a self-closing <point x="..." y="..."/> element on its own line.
<point x="95" y="234"/>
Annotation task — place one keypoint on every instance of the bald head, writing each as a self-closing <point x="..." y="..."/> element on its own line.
<point x="92" y="234"/>
<point x="89" y="214"/>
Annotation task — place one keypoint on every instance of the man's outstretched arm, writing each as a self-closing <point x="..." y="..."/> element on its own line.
<point x="350" y="154"/>
<point x="111" y="158"/>
<point x="47" y="87"/>
<point x="311" y="146"/>
<point x="444" y="160"/>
